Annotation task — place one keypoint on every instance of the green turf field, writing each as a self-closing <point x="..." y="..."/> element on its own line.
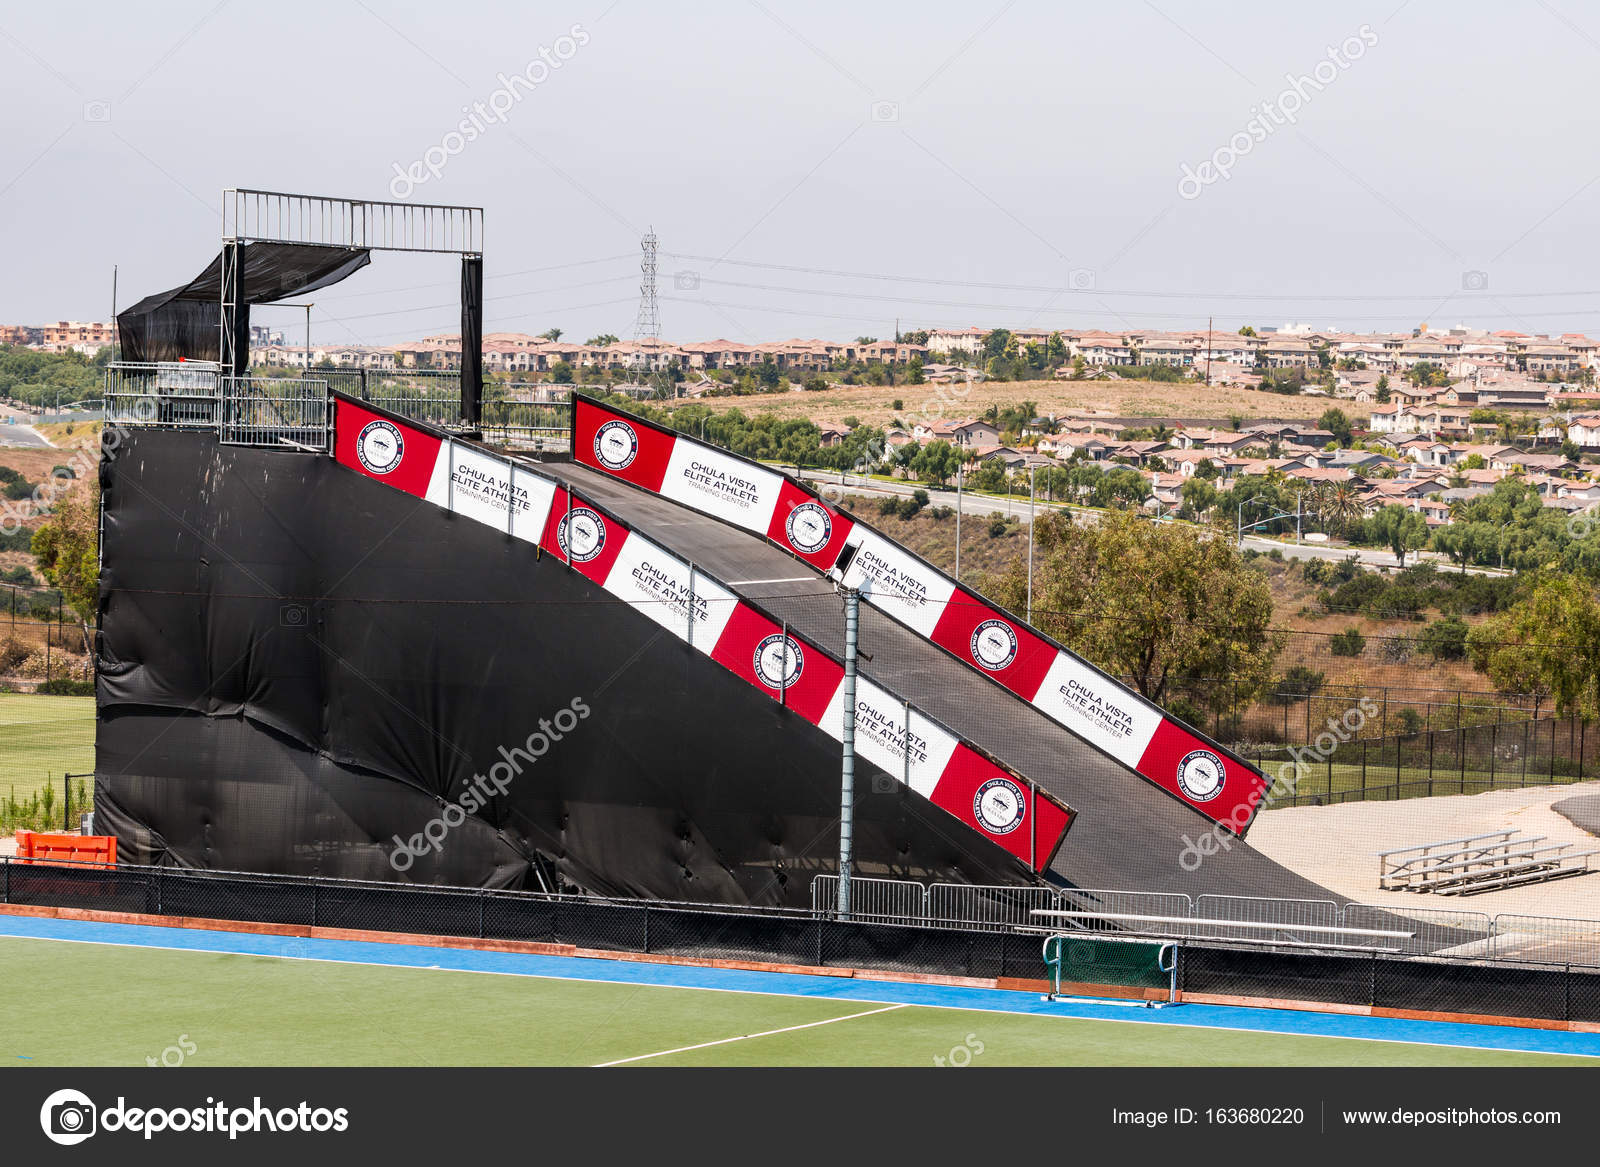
<point x="87" y="1004"/>
<point x="42" y="738"/>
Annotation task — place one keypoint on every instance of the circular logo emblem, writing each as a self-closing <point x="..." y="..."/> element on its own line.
<point x="616" y="445"/>
<point x="994" y="644"/>
<point x="999" y="806"/>
<point x="808" y="527"/>
<point x="1201" y="775"/>
<point x="778" y="661"/>
<point x="380" y="446"/>
<point x="581" y="534"/>
<point x="68" y="1117"/>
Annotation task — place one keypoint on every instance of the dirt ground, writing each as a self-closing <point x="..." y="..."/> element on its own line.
<point x="1337" y="846"/>
<point x="874" y="404"/>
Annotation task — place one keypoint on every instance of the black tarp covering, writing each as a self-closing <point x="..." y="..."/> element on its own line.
<point x="184" y="322"/>
<point x="471" y="338"/>
<point x="298" y="664"/>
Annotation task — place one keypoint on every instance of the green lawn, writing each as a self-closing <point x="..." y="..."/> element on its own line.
<point x="257" y="1011"/>
<point x="42" y="738"/>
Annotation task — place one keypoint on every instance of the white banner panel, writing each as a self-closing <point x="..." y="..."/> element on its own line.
<point x="711" y="481"/>
<point x="881" y="736"/>
<point x="1098" y="709"/>
<point x="480" y="486"/>
<point x="900" y="583"/>
<point x="657" y="584"/>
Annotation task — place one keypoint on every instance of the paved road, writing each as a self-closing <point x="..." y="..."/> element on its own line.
<point x="1129" y="833"/>
<point x="20" y="435"/>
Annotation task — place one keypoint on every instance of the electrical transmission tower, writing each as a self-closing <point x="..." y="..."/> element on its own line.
<point x="648" y="322"/>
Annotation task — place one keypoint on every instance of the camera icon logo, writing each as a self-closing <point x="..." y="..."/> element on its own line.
<point x="67" y="1117"/>
<point x="293" y="616"/>
<point x="1081" y="279"/>
<point x="883" y="784"/>
<point x="885" y="111"/>
<point x="97" y="111"/>
<point x="686" y="281"/>
<point x="1475" y="281"/>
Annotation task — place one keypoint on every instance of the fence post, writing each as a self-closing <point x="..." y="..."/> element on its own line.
<point x="1363" y="769"/>
<point x="1583" y="734"/>
<point x="647" y="927"/>
<point x="1430" y="763"/>
<point x="1552" y="751"/>
<point x="1525" y="726"/>
<point x="1461" y="752"/>
<point x="1494" y="751"/>
<point x="66" y="802"/>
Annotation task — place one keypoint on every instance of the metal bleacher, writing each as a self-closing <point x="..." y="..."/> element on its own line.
<point x="1480" y="863"/>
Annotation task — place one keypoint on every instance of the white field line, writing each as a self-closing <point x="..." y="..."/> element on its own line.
<point x="750" y="1036"/>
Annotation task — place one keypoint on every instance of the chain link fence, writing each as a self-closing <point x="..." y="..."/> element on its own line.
<point x="1558" y="991"/>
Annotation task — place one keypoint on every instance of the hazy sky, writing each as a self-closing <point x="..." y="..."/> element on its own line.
<point x="991" y="162"/>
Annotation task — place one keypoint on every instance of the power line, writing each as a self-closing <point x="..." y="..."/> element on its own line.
<point x="1171" y="295"/>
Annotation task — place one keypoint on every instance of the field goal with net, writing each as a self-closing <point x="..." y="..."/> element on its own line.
<point x="1083" y="966"/>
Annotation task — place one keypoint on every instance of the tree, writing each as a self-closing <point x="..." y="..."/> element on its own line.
<point x="1247" y="330"/>
<point x="561" y="373"/>
<point x="1547" y="642"/>
<point x="936" y="462"/>
<point x="1401" y="529"/>
<point x="866" y="340"/>
<point x="551" y="334"/>
<point x="1159" y="603"/>
<point x="67" y="550"/>
<point x="1336" y="423"/>
<point x="604" y="340"/>
<point x="1337" y="505"/>
<point x="1382" y="389"/>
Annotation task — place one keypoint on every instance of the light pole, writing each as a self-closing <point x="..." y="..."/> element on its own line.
<point x="958" y="524"/>
<point x="1032" y="470"/>
<point x="847" y="770"/>
<point x="308" y="305"/>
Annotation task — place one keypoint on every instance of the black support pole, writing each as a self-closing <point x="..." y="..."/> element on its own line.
<point x="471" y="340"/>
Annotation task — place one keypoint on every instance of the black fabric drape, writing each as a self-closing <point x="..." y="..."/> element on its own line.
<point x="183" y="322"/>
<point x="471" y="338"/>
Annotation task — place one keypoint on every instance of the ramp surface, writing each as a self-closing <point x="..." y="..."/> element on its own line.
<point x="1128" y="835"/>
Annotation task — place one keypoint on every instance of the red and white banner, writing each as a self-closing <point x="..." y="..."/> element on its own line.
<point x="699" y="610"/>
<point x="1060" y="684"/>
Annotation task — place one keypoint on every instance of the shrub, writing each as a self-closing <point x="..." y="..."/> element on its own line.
<point x="1410" y="722"/>
<point x="12" y="653"/>
<point x="1444" y="639"/>
<point x="1396" y="649"/>
<point x="64" y="687"/>
<point x="997" y="528"/>
<point x="1350" y="642"/>
<point x="942" y="512"/>
<point x="897" y="405"/>
<point x="1296" y="685"/>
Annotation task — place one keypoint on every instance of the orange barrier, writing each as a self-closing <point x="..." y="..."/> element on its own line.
<point x="96" y="850"/>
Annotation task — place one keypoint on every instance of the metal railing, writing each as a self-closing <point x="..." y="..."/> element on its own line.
<point x="258" y="411"/>
<point x="275" y="216"/>
<point x="882" y="900"/>
<point x="1256" y="919"/>
<point x="1293" y="915"/>
<point x="166" y="394"/>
